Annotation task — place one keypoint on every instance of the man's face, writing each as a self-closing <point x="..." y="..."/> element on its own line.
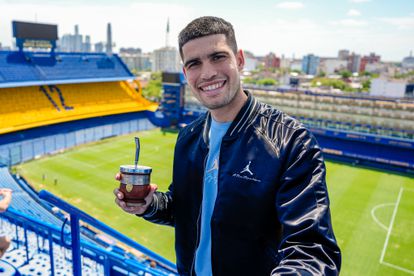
<point x="213" y="70"/>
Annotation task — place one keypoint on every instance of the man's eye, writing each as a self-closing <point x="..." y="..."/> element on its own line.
<point x="218" y="57"/>
<point x="191" y="65"/>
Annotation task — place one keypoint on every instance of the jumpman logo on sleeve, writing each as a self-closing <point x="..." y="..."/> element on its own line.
<point x="247" y="169"/>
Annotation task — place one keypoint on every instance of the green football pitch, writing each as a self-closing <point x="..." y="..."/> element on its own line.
<point x="372" y="211"/>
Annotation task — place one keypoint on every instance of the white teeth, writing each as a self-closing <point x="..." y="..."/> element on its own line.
<point x="212" y="87"/>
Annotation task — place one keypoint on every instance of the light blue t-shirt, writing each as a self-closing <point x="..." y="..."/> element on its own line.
<point x="203" y="253"/>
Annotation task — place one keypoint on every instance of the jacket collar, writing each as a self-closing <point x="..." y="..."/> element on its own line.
<point x="241" y="121"/>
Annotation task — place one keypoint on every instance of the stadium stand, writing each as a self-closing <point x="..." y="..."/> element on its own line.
<point x="42" y="243"/>
<point x="380" y="116"/>
<point x="43" y="105"/>
<point x="352" y="128"/>
<point x="18" y="68"/>
<point x="51" y="102"/>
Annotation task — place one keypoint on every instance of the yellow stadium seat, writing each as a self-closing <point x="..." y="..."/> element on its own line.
<point x="33" y="106"/>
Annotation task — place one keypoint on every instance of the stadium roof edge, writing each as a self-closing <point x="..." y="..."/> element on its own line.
<point x="36" y="83"/>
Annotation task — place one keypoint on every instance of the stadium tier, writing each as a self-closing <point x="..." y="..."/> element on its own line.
<point x="27" y="107"/>
<point x="18" y="68"/>
<point x="344" y="111"/>
<point x="382" y="116"/>
<point x="38" y="89"/>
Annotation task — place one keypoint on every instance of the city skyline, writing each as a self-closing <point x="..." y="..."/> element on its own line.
<point x="286" y="28"/>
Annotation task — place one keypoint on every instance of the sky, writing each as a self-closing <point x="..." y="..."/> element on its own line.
<point x="289" y="28"/>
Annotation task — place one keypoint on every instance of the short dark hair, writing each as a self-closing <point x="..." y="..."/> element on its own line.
<point x="204" y="26"/>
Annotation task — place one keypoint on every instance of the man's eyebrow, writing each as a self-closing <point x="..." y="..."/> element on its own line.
<point x="217" y="53"/>
<point x="190" y="61"/>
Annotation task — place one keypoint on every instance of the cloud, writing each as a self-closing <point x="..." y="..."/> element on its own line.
<point x="290" y="5"/>
<point x="399" y="22"/>
<point x="353" y="12"/>
<point x="349" y="23"/>
<point x="359" y="1"/>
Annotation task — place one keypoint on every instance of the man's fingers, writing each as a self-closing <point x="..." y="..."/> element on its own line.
<point x="118" y="176"/>
<point x="148" y="199"/>
<point x="153" y="189"/>
<point x="122" y="204"/>
<point x="118" y="193"/>
<point x="137" y="209"/>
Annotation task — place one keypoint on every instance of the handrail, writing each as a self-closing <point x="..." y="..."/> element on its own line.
<point x="21" y="218"/>
<point x="77" y="214"/>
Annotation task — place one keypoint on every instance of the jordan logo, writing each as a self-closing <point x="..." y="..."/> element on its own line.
<point x="215" y="166"/>
<point x="243" y="176"/>
<point x="247" y="169"/>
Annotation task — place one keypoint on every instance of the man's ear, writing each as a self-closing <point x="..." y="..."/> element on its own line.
<point x="184" y="72"/>
<point x="240" y="60"/>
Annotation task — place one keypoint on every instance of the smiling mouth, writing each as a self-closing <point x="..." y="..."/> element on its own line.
<point x="212" y="87"/>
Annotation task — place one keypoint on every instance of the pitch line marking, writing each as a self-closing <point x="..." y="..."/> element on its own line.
<point x="394" y="213"/>
<point x="398" y="267"/>
<point x="388" y="237"/>
<point x="373" y="210"/>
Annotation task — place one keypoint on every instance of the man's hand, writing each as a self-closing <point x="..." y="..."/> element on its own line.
<point x="135" y="210"/>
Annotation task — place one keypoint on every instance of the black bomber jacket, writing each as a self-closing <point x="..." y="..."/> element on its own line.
<point x="271" y="215"/>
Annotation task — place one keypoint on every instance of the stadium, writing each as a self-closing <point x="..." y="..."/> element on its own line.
<point x="67" y="122"/>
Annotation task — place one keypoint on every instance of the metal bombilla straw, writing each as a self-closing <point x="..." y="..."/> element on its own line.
<point x="137" y="148"/>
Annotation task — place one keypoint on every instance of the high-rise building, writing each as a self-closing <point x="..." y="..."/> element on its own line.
<point x="109" y="39"/>
<point x="271" y="61"/>
<point x="310" y="64"/>
<point x="86" y="46"/>
<point x="135" y="59"/>
<point x="166" y="59"/>
<point x="73" y="42"/>
<point x="167" y="34"/>
<point x="99" y="47"/>
<point x="354" y="63"/>
<point x="343" y="54"/>
<point x="372" y="58"/>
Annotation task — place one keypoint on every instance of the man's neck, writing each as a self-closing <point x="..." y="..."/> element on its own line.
<point x="229" y="112"/>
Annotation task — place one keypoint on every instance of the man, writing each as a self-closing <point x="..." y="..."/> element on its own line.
<point x="248" y="195"/>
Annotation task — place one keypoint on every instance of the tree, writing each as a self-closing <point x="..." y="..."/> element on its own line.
<point x="345" y="74"/>
<point x="249" y="80"/>
<point x="322" y="74"/>
<point x="267" y="81"/>
<point x="366" y="85"/>
<point x="153" y="89"/>
<point x="337" y="84"/>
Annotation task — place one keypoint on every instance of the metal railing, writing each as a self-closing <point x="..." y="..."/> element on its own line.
<point x="76" y="215"/>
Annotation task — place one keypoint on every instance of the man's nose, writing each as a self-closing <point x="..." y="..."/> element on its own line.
<point x="208" y="71"/>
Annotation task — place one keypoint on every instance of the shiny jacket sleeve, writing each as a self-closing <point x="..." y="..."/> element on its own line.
<point x="161" y="209"/>
<point x="308" y="245"/>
